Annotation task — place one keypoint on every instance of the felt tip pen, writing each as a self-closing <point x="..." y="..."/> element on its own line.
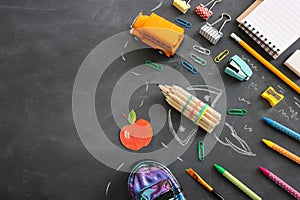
<point x="237" y="183"/>
<point x="282" y="128"/>
<point x="282" y="151"/>
<point x="196" y="176"/>
<point x="280" y="182"/>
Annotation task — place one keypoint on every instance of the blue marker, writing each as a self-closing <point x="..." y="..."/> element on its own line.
<point x="282" y="128"/>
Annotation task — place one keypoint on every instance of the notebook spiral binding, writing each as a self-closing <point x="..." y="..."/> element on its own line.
<point x="260" y="39"/>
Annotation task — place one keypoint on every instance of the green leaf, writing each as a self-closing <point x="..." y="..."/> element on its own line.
<point x="131" y="117"/>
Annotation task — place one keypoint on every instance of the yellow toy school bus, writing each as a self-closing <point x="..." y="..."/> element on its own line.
<point x="157" y="32"/>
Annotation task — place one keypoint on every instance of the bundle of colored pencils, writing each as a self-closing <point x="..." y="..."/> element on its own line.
<point x="191" y="107"/>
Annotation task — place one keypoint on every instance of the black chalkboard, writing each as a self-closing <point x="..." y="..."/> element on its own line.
<point x="67" y="68"/>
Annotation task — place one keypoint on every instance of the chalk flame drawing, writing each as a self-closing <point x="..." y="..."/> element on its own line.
<point x="249" y="62"/>
<point x="248" y="128"/>
<point x="207" y="88"/>
<point x="244" y="100"/>
<point x="180" y="141"/>
<point x="245" y="150"/>
<point x="158" y="6"/>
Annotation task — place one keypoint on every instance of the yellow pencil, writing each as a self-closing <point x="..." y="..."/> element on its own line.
<point x="266" y="63"/>
<point x="282" y="151"/>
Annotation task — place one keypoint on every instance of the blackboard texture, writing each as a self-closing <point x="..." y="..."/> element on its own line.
<point x="70" y="69"/>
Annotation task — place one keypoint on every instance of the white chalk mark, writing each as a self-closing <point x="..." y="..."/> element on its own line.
<point x="297" y="104"/>
<point x="178" y="158"/>
<point x="293" y="113"/>
<point x="127" y="134"/>
<point x="180" y="141"/>
<point x="147" y="86"/>
<point x="107" y="188"/>
<point x="135" y="73"/>
<point x="120" y="167"/>
<point x="164" y="145"/>
<point x="125" y="45"/>
<point x="284" y="114"/>
<point x="210" y="89"/>
<point x="142" y="102"/>
<point x="207" y="97"/>
<point x="281" y="89"/>
<point x="181" y="128"/>
<point x="122" y="54"/>
<point x="249" y="62"/>
<point x="24" y="8"/>
<point x="158" y="6"/>
<point x="248" y="128"/>
<point x="253" y="85"/>
<point x="297" y="99"/>
<point x="245" y="150"/>
<point x="244" y="100"/>
<point x="263" y="77"/>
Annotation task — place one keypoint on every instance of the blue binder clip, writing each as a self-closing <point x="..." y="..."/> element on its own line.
<point x="238" y="68"/>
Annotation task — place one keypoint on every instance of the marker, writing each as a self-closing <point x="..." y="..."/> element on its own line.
<point x="193" y="174"/>
<point x="282" y="128"/>
<point x="237" y="183"/>
<point x="280" y="182"/>
<point x="282" y="151"/>
<point x="266" y="63"/>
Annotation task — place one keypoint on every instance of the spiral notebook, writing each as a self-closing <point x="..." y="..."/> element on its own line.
<point x="272" y="24"/>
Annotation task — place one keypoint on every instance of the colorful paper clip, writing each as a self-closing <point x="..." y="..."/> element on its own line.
<point x="201" y="150"/>
<point x="189" y="67"/>
<point x="183" y="22"/>
<point x="237" y="111"/>
<point x="201" y="50"/>
<point x="203" y="11"/>
<point x="221" y="56"/>
<point x="197" y="59"/>
<point x="154" y="65"/>
<point x="272" y="96"/>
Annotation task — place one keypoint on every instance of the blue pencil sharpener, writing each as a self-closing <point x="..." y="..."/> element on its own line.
<point x="238" y="68"/>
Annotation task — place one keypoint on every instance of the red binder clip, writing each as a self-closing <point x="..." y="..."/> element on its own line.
<point x="203" y="11"/>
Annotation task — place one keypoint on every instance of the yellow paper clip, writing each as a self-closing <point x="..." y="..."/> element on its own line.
<point x="221" y="56"/>
<point x="154" y="65"/>
<point x="272" y="96"/>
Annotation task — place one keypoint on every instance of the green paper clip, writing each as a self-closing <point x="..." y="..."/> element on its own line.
<point x="237" y="111"/>
<point x="197" y="59"/>
<point x="201" y="150"/>
<point x="154" y="65"/>
<point x="221" y="56"/>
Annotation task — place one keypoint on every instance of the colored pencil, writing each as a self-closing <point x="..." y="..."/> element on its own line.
<point x="237" y="183"/>
<point x="266" y="63"/>
<point x="280" y="182"/>
<point x="191" y="107"/>
<point x="282" y="128"/>
<point x="196" y="176"/>
<point x="282" y="151"/>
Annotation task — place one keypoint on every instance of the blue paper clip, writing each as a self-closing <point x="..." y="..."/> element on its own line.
<point x="182" y="22"/>
<point x="189" y="67"/>
<point x="197" y="59"/>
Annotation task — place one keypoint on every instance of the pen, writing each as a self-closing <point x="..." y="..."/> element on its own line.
<point x="282" y="128"/>
<point x="196" y="176"/>
<point x="280" y="182"/>
<point x="282" y="151"/>
<point x="237" y="183"/>
<point x="266" y="63"/>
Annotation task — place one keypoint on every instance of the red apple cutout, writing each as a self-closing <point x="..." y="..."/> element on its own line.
<point x="137" y="134"/>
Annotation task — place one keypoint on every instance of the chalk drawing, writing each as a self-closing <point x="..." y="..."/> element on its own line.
<point x="297" y="99"/>
<point x="122" y="55"/>
<point x="244" y="100"/>
<point x="284" y="114"/>
<point x="249" y="62"/>
<point x="147" y="86"/>
<point x="120" y="167"/>
<point x="210" y="89"/>
<point x="164" y="145"/>
<point x="134" y="73"/>
<point x="181" y="128"/>
<point x="244" y="150"/>
<point x="142" y="102"/>
<point x="253" y="85"/>
<point x="178" y="158"/>
<point x="281" y="90"/>
<point x="293" y="113"/>
<point x="297" y="104"/>
<point x="248" y="128"/>
<point x="180" y="141"/>
<point x="107" y="188"/>
<point x="207" y="97"/>
<point x="158" y="6"/>
<point x="125" y="45"/>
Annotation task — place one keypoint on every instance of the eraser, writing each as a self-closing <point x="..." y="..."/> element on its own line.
<point x="293" y="62"/>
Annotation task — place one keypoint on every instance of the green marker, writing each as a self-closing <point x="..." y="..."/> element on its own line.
<point x="236" y="182"/>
